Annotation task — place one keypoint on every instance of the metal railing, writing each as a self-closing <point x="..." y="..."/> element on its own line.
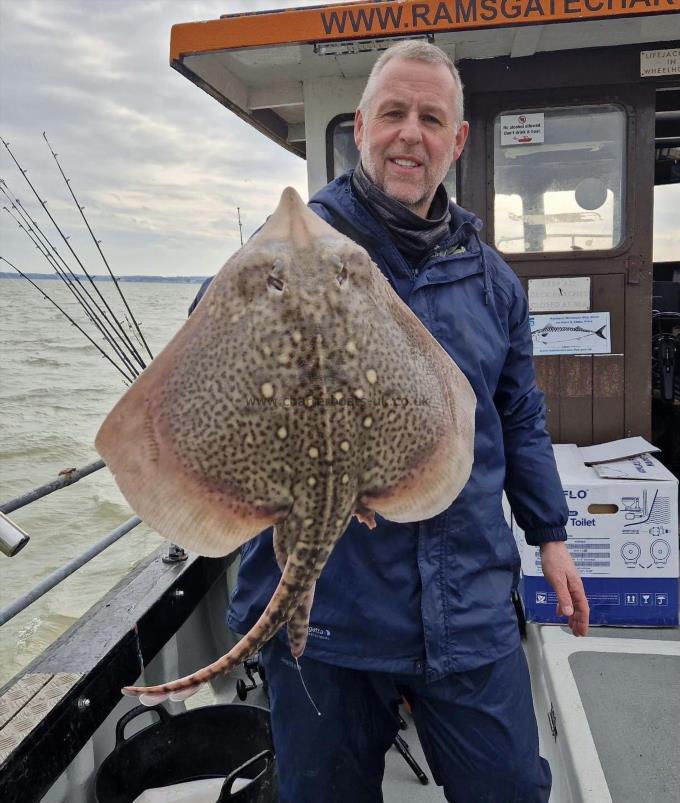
<point x="118" y="335"/>
<point x="53" y="579"/>
<point x="13" y="538"/>
<point x="66" y="477"/>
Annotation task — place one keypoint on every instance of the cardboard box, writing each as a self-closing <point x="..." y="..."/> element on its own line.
<point x="622" y="534"/>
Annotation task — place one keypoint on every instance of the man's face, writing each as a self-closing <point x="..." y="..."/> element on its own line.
<point x="408" y="137"/>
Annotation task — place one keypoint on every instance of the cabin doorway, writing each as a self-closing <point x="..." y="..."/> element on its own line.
<point x="563" y="178"/>
<point x="666" y="286"/>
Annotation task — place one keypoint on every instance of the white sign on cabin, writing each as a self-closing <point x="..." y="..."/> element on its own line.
<point x="559" y="294"/>
<point x="570" y="333"/>
<point x="522" y="129"/>
<point x="660" y="62"/>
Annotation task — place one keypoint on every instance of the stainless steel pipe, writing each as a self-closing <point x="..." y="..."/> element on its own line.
<point x="12" y="538"/>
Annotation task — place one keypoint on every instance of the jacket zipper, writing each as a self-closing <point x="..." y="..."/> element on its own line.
<point x="433" y="254"/>
<point x="436" y="253"/>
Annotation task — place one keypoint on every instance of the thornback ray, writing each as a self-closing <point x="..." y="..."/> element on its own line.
<point x="300" y="392"/>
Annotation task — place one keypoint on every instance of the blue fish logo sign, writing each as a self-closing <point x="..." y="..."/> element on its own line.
<point x="552" y="333"/>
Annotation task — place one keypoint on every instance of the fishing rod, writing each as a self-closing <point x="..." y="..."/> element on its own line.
<point x="97" y="243"/>
<point x="83" y="268"/>
<point x="74" y="284"/>
<point x="33" y="226"/>
<point x="129" y="326"/>
<point x="82" y="289"/>
<point x="76" y="289"/>
<point x="50" y="260"/>
<point x="73" y="288"/>
<point x="63" y="312"/>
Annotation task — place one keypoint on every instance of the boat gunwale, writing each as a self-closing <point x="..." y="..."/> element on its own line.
<point x="108" y="647"/>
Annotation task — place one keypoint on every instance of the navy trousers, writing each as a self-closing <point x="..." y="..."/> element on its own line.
<point x="478" y="730"/>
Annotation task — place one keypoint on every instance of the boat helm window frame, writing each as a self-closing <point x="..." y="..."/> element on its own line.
<point x="595" y="194"/>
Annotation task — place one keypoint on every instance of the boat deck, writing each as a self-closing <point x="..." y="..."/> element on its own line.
<point x="615" y="695"/>
<point x="607" y="705"/>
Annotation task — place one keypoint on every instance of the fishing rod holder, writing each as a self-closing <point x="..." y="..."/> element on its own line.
<point x="251" y="666"/>
<point x="175" y="554"/>
<point x="12" y="538"/>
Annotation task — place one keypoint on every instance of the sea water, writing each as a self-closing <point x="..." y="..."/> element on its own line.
<point x="55" y="391"/>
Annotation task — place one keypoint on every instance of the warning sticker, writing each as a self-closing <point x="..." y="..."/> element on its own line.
<point x="522" y="129"/>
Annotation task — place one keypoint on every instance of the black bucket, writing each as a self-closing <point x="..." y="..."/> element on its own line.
<point x="217" y="741"/>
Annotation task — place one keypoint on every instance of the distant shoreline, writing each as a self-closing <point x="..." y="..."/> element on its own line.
<point x="120" y="279"/>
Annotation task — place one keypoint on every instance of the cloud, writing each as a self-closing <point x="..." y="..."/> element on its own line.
<point x="158" y="164"/>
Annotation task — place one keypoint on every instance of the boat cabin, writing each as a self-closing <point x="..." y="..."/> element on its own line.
<point x="574" y="111"/>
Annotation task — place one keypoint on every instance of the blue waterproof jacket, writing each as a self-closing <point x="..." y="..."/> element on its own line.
<point x="434" y="597"/>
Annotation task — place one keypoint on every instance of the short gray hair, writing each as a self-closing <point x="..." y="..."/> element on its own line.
<point x="414" y="50"/>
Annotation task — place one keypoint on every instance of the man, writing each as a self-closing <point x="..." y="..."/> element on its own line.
<point x="424" y="610"/>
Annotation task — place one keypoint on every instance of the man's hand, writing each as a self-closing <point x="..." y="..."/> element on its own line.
<point x="563" y="576"/>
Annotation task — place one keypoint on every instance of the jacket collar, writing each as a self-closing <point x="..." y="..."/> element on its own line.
<point x="339" y="198"/>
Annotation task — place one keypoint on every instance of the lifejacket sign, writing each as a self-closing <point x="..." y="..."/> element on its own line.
<point x="522" y="129"/>
<point x="660" y="62"/>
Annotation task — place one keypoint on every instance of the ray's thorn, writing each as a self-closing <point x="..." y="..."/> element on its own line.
<point x="120" y="331"/>
<point x="304" y="686"/>
<point x="101" y="253"/>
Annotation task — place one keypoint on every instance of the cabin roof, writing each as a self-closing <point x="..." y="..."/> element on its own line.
<point x="256" y="63"/>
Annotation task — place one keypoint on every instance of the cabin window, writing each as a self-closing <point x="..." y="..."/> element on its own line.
<point x="666" y="246"/>
<point x="342" y="153"/>
<point x="559" y="179"/>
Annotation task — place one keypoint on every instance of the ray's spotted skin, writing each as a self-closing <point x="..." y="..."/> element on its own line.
<point x="300" y="392"/>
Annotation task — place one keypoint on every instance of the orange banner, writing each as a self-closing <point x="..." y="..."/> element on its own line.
<point x="404" y="17"/>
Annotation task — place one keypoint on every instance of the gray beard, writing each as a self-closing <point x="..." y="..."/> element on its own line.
<point x="413" y="235"/>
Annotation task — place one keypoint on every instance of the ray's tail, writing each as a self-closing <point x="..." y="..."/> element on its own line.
<point x="295" y="582"/>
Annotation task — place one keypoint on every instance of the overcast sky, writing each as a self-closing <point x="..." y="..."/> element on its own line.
<point x="159" y="165"/>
